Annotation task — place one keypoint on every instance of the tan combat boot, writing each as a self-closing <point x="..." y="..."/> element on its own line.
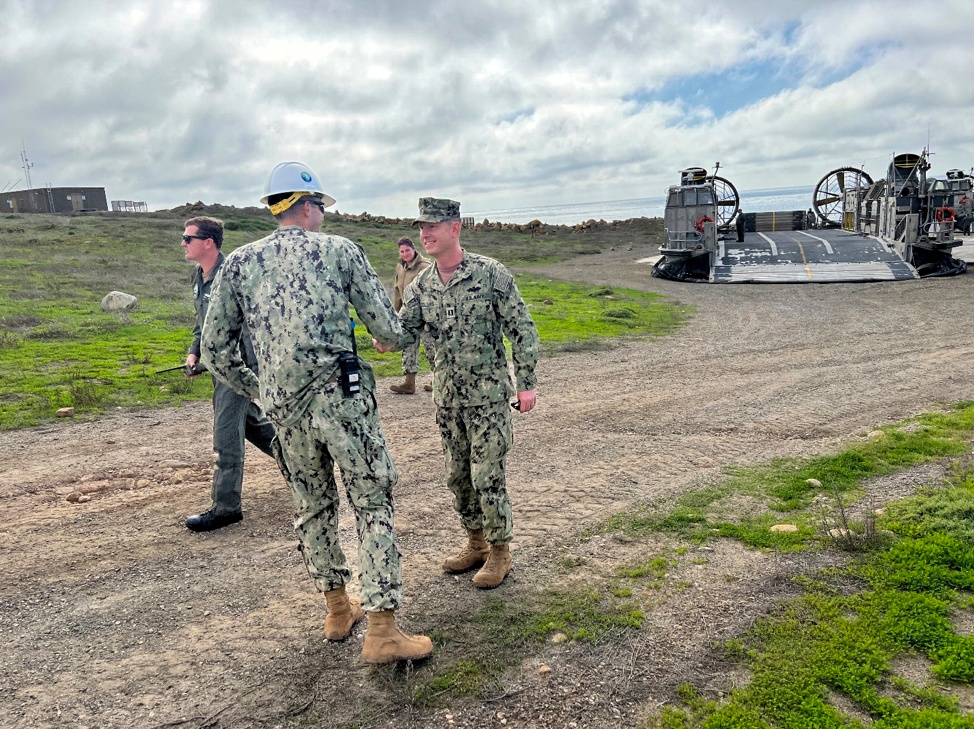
<point x="342" y="614"/>
<point x="473" y="554"/>
<point x="385" y="643"/>
<point x="495" y="570"/>
<point x="408" y="385"/>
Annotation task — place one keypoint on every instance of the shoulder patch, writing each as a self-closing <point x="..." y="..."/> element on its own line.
<point x="503" y="281"/>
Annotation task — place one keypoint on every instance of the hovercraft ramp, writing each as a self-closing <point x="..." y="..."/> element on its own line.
<point x="799" y="256"/>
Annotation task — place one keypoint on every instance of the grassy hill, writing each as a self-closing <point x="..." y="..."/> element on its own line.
<point x="58" y="348"/>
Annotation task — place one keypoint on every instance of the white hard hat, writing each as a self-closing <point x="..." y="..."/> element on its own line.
<point x="297" y="178"/>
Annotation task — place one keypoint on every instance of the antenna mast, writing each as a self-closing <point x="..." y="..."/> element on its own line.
<point x="27" y="164"/>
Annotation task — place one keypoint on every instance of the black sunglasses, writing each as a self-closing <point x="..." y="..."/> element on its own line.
<point x="188" y="238"/>
<point x="318" y="204"/>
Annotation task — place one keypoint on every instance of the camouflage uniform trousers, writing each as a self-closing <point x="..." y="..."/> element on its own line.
<point x="476" y="440"/>
<point x="235" y="419"/>
<point x="344" y="430"/>
<point x="410" y="354"/>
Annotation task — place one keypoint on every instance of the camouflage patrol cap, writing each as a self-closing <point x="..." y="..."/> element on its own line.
<point x="436" y="210"/>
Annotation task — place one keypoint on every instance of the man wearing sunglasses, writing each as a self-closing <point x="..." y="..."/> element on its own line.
<point x="235" y="417"/>
<point x="293" y="290"/>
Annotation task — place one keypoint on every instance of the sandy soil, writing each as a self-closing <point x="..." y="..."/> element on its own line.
<point x="112" y="614"/>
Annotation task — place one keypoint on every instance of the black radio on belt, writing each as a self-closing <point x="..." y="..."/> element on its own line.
<point x="348" y="365"/>
<point x="350" y="376"/>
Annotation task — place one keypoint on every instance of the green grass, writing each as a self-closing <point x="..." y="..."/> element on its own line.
<point x="787" y="483"/>
<point x="475" y="677"/>
<point x="75" y="369"/>
<point x="834" y="646"/>
<point x="786" y="488"/>
<point x="569" y="317"/>
<point x="569" y="314"/>
<point x="57" y="348"/>
<point x="828" y="643"/>
<point x="823" y="644"/>
<point x="505" y="631"/>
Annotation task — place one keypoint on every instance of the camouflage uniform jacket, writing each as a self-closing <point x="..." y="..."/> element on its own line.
<point x="406" y="273"/>
<point x="201" y="302"/>
<point x="468" y="318"/>
<point x="292" y="290"/>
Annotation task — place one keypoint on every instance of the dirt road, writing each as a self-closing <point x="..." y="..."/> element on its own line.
<point x="112" y="614"/>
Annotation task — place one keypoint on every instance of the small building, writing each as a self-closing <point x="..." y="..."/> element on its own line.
<point x="54" y="200"/>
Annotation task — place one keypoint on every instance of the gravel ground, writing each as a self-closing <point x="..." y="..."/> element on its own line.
<point x="114" y="615"/>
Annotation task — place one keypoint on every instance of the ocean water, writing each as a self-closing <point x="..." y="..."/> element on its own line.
<point x="752" y="201"/>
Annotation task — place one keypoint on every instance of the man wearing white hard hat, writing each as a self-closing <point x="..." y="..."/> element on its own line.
<point x="293" y="290"/>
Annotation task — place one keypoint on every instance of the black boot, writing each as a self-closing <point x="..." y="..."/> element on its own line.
<point x="210" y="520"/>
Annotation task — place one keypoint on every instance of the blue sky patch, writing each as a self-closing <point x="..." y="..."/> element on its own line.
<point x="723" y="92"/>
<point x="517" y="116"/>
<point x="739" y="86"/>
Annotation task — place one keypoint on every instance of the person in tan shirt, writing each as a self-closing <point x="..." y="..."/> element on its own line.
<point x="411" y="262"/>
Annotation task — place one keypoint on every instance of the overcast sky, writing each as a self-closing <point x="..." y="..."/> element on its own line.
<point x="497" y="104"/>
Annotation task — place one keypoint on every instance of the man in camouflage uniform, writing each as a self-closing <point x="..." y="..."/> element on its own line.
<point x="292" y="290"/>
<point x="411" y="262"/>
<point x="235" y="417"/>
<point x="470" y="303"/>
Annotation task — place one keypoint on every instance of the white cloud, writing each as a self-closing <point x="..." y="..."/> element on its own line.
<point x="497" y="104"/>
